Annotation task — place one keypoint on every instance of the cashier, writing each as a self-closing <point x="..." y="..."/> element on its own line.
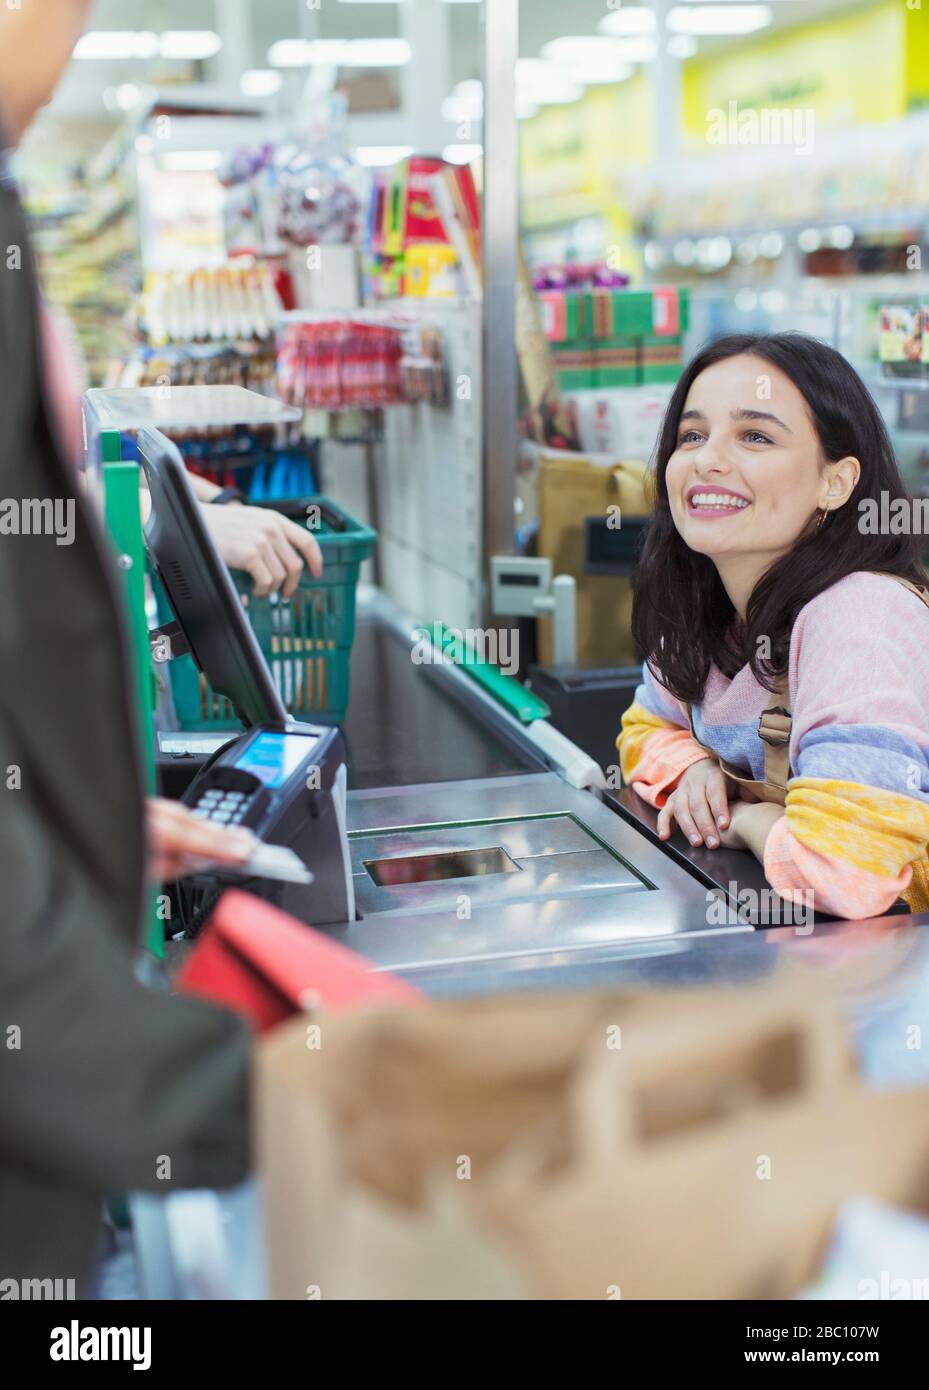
<point x="763" y="572"/>
<point x="104" y="1086"/>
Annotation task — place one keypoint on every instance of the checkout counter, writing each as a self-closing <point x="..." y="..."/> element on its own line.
<point x="483" y="857"/>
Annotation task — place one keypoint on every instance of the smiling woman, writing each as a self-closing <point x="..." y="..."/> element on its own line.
<point x="771" y="616"/>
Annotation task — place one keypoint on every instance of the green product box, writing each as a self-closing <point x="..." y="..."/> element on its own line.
<point x="576" y="317"/>
<point x="618" y="360"/>
<point x="614" y="313"/>
<point x="683" y="300"/>
<point x="574" y="365"/>
<point x="662" y="356"/>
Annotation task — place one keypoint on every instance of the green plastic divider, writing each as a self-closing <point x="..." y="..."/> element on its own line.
<point x="520" y="702"/>
<point x="124" y="523"/>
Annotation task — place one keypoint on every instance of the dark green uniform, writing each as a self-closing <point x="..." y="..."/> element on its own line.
<point x="104" y="1086"/>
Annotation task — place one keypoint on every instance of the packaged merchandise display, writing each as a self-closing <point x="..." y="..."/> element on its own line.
<point x="236" y="302"/>
<point x="422" y="232"/>
<point x="359" y="360"/>
<point x="607" y="336"/>
<point x="903" y="339"/>
<point x="288" y="195"/>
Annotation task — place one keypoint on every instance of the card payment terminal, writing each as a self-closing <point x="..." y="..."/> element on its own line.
<point x="286" y="782"/>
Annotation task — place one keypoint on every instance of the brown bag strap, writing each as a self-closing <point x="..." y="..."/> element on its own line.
<point x="774" y="729"/>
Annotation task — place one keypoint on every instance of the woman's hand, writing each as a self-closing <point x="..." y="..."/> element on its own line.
<point x="699" y="804"/>
<point x="178" y="841"/>
<point x="750" y="825"/>
<point x="268" y="546"/>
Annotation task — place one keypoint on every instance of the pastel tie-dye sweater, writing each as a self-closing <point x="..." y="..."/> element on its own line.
<point x="856" y="826"/>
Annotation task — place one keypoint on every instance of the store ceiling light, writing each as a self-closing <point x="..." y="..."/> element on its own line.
<point x="466" y="102"/>
<point x="192" y="161"/>
<point x="719" y="19"/>
<point x="462" y="154"/>
<point x="376" y="53"/>
<point x="189" y="44"/>
<point x="682" y="46"/>
<point x="128" y="95"/>
<point x="260" y="82"/>
<point x="339" y="53"/>
<point x="378" y="156"/>
<point x="545" y="84"/>
<point x="115" y="45"/>
<point x="631" y="19"/>
<point x="589" y="59"/>
<point x="842" y="238"/>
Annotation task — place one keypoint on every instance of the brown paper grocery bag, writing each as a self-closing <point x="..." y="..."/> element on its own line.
<point x="728" y="1190"/>
<point x="571" y="488"/>
<point x="685" y="1143"/>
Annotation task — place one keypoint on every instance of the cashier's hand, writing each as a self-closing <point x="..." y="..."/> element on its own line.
<point x="268" y="546"/>
<point x="750" y="825"/>
<point x="177" y="840"/>
<point x="699" y="804"/>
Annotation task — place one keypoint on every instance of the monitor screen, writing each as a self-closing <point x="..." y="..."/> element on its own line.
<point x="272" y="758"/>
<point x="200" y="588"/>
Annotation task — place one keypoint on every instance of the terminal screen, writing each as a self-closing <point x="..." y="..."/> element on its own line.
<point x="274" y="757"/>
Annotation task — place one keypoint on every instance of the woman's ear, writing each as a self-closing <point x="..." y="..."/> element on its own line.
<point x="839" y="482"/>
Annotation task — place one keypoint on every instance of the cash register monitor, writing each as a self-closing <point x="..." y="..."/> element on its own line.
<point x="200" y="588"/>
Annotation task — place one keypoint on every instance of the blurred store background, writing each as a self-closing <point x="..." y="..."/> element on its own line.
<point x="306" y="198"/>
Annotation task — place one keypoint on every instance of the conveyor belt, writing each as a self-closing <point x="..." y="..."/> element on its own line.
<point x="403" y="728"/>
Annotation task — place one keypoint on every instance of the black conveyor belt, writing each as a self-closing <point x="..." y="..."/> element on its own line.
<point x="403" y="729"/>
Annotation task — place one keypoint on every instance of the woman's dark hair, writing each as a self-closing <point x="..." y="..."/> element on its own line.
<point x="682" y="617"/>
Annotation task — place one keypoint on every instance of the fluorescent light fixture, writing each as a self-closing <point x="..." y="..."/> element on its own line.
<point x="630" y="20"/>
<point x="544" y="83"/>
<point x="376" y="53"/>
<point x="290" y="53"/>
<point x="192" y="161"/>
<point x="339" y="53"/>
<point x="116" y="45"/>
<point x="810" y="239"/>
<point x="189" y="44"/>
<point x="840" y="237"/>
<point x="462" y="154"/>
<point x="773" y="301"/>
<point x="682" y="46"/>
<point x="128" y="95"/>
<point x="719" y="19"/>
<point x="260" y="82"/>
<point x="379" y="156"/>
<point x="588" y="59"/>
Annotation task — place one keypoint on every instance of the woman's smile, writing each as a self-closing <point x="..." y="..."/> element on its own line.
<point x="713" y="502"/>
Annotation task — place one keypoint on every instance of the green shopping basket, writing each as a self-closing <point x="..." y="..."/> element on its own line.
<point x="306" y="639"/>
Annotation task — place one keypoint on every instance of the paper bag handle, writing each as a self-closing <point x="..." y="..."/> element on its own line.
<point x="792" y="1046"/>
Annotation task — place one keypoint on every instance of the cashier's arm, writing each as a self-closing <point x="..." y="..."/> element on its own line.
<point x="266" y="545"/>
<point x="710" y="810"/>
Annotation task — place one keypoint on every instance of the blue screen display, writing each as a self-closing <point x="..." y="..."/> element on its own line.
<point x="274" y="757"/>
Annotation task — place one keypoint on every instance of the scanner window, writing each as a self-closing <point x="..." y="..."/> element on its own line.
<point x="427" y="868"/>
